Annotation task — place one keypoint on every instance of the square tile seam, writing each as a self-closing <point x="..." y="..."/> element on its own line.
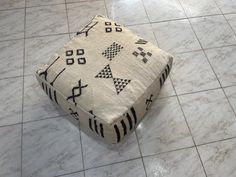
<point x="22" y="101"/>
<point x="32" y="6"/>
<point x="207" y="56"/>
<point x="225" y="18"/>
<point x="199" y="156"/>
<point x="71" y="32"/>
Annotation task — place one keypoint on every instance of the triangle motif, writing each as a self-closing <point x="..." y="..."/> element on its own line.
<point x="105" y="73"/>
<point x="120" y="84"/>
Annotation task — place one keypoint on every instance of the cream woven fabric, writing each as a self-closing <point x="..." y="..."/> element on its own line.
<point x="106" y="78"/>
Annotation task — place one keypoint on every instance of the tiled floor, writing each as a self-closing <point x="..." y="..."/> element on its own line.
<point x="190" y="130"/>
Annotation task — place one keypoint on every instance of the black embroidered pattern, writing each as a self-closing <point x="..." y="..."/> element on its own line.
<point x="164" y="75"/>
<point x="105" y="73"/>
<point x="131" y="120"/>
<point x="86" y="29"/>
<point x="141" y="54"/>
<point x="112" y="51"/>
<point x="74" y="89"/>
<point x="119" y="83"/>
<point x="149" y="101"/>
<point x="70" y="58"/>
<point x="93" y="125"/>
<point x="45" y="73"/>
<point x="51" y="93"/>
<point x="141" y="41"/>
<point x="51" y="83"/>
<point x="109" y="27"/>
<point x="74" y="114"/>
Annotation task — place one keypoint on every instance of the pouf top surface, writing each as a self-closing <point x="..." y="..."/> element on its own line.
<point x="109" y="68"/>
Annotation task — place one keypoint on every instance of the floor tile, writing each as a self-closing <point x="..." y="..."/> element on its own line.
<point x="167" y="89"/>
<point x="144" y="31"/>
<point x="227" y="6"/>
<point x="12" y="24"/>
<point x="125" y="169"/>
<point x="96" y="154"/>
<point x="37" y="105"/>
<point x="209" y="116"/>
<point x="46" y="20"/>
<point x="184" y="163"/>
<point x="127" y="12"/>
<point x="231" y="18"/>
<point x="69" y="1"/>
<point x="162" y="10"/>
<point x="6" y="4"/>
<point x="219" y="158"/>
<point x="87" y="10"/>
<point x="191" y="72"/>
<point x="79" y="174"/>
<point x="164" y="128"/>
<point x="11" y="101"/>
<point x="50" y="148"/>
<point x="224" y="64"/>
<point x="11" y="60"/>
<point x="30" y="3"/>
<point x="10" y="151"/>
<point x="176" y="36"/>
<point x="209" y="33"/>
<point x="39" y="50"/>
<point x="231" y="94"/>
<point x="195" y="8"/>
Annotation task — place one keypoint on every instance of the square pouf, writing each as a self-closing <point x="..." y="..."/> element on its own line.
<point x="106" y="78"/>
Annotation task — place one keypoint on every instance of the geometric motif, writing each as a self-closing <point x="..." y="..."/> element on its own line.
<point x="141" y="41"/>
<point x="112" y="51"/>
<point x="105" y="73"/>
<point x="164" y="75"/>
<point x="93" y="125"/>
<point x="123" y="124"/>
<point x="142" y="54"/>
<point x="74" y="94"/>
<point x="149" y="101"/>
<point x="108" y="27"/>
<point x="87" y="28"/>
<point x="70" y="58"/>
<point x="119" y="83"/>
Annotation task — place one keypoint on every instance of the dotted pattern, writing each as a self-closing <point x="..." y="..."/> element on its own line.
<point x="112" y="51"/>
<point x="105" y="73"/>
<point x="141" y="54"/>
<point x="120" y="84"/>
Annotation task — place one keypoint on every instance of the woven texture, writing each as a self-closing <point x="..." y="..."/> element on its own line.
<point x="106" y="78"/>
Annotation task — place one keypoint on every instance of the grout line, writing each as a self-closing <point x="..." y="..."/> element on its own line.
<point x="144" y="167"/>
<point x="32" y="121"/>
<point x="211" y="64"/>
<point x="113" y="163"/>
<point x="225" y="18"/>
<point x="22" y="119"/>
<point x="150" y="22"/>
<point x="212" y="142"/>
<point x="179" y="99"/>
<point x="66" y="174"/>
<point x="67" y="18"/>
<point x="82" y="152"/>
<point x="106" y="9"/>
<point x="43" y="5"/>
<point x="189" y="129"/>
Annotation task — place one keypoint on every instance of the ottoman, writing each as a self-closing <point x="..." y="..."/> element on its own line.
<point x="106" y="78"/>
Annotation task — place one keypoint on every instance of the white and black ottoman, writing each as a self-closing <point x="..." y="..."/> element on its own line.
<point x="106" y="77"/>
